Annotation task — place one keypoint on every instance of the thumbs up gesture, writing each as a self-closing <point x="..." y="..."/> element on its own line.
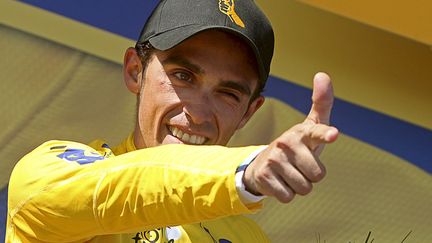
<point x="290" y="164"/>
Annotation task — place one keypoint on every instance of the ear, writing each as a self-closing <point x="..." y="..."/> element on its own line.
<point x="132" y="70"/>
<point x="253" y="107"/>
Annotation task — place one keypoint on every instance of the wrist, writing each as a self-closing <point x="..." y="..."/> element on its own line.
<point x="249" y="186"/>
<point x="246" y="193"/>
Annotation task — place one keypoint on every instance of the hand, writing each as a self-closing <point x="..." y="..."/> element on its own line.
<point x="290" y="164"/>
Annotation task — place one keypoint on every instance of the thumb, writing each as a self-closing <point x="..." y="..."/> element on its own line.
<point x="322" y="100"/>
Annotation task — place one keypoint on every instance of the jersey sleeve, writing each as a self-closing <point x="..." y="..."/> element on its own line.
<point x="66" y="190"/>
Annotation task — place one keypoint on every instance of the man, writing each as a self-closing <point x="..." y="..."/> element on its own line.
<point x="197" y="71"/>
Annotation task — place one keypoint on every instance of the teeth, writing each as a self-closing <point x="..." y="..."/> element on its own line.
<point x="174" y="130"/>
<point x="193" y="139"/>
<point x="179" y="134"/>
<point x="185" y="137"/>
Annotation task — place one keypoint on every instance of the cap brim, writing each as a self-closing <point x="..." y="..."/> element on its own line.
<point x="171" y="38"/>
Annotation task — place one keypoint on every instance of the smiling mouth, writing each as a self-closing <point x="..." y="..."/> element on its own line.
<point x="186" y="137"/>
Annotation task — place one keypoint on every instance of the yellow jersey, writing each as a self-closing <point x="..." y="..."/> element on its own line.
<point x="70" y="192"/>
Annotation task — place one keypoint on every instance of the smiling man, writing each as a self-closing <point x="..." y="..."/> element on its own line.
<point x="193" y="93"/>
<point x="197" y="71"/>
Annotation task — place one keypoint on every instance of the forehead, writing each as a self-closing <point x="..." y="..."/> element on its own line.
<point x="219" y="51"/>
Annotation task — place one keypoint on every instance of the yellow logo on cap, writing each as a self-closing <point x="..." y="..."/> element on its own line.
<point x="227" y="7"/>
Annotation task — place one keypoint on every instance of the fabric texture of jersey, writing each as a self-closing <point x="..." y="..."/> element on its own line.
<point x="70" y="192"/>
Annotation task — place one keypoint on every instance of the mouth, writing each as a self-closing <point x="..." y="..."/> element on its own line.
<point x="186" y="137"/>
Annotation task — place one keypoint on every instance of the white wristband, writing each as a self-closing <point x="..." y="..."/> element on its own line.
<point x="245" y="196"/>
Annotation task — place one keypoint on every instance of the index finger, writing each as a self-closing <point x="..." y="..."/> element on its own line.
<point x="318" y="134"/>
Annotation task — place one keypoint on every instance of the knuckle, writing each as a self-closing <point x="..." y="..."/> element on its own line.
<point x="289" y="141"/>
<point x="263" y="177"/>
<point x="272" y="163"/>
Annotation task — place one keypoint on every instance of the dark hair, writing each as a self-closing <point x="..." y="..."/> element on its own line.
<point x="145" y="50"/>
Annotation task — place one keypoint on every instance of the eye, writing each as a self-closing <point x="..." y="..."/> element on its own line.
<point x="231" y="95"/>
<point x="183" y="76"/>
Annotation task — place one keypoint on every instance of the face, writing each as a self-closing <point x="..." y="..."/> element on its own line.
<point x="198" y="92"/>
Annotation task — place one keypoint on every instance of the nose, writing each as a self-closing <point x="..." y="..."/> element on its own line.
<point x="198" y="112"/>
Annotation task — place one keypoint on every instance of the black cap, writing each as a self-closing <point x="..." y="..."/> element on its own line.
<point x="173" y="21"/>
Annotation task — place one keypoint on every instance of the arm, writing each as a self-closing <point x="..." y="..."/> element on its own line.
<point x="58" y="199"/>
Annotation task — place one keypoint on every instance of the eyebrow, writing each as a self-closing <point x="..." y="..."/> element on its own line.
<point x="181" y="61"/>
